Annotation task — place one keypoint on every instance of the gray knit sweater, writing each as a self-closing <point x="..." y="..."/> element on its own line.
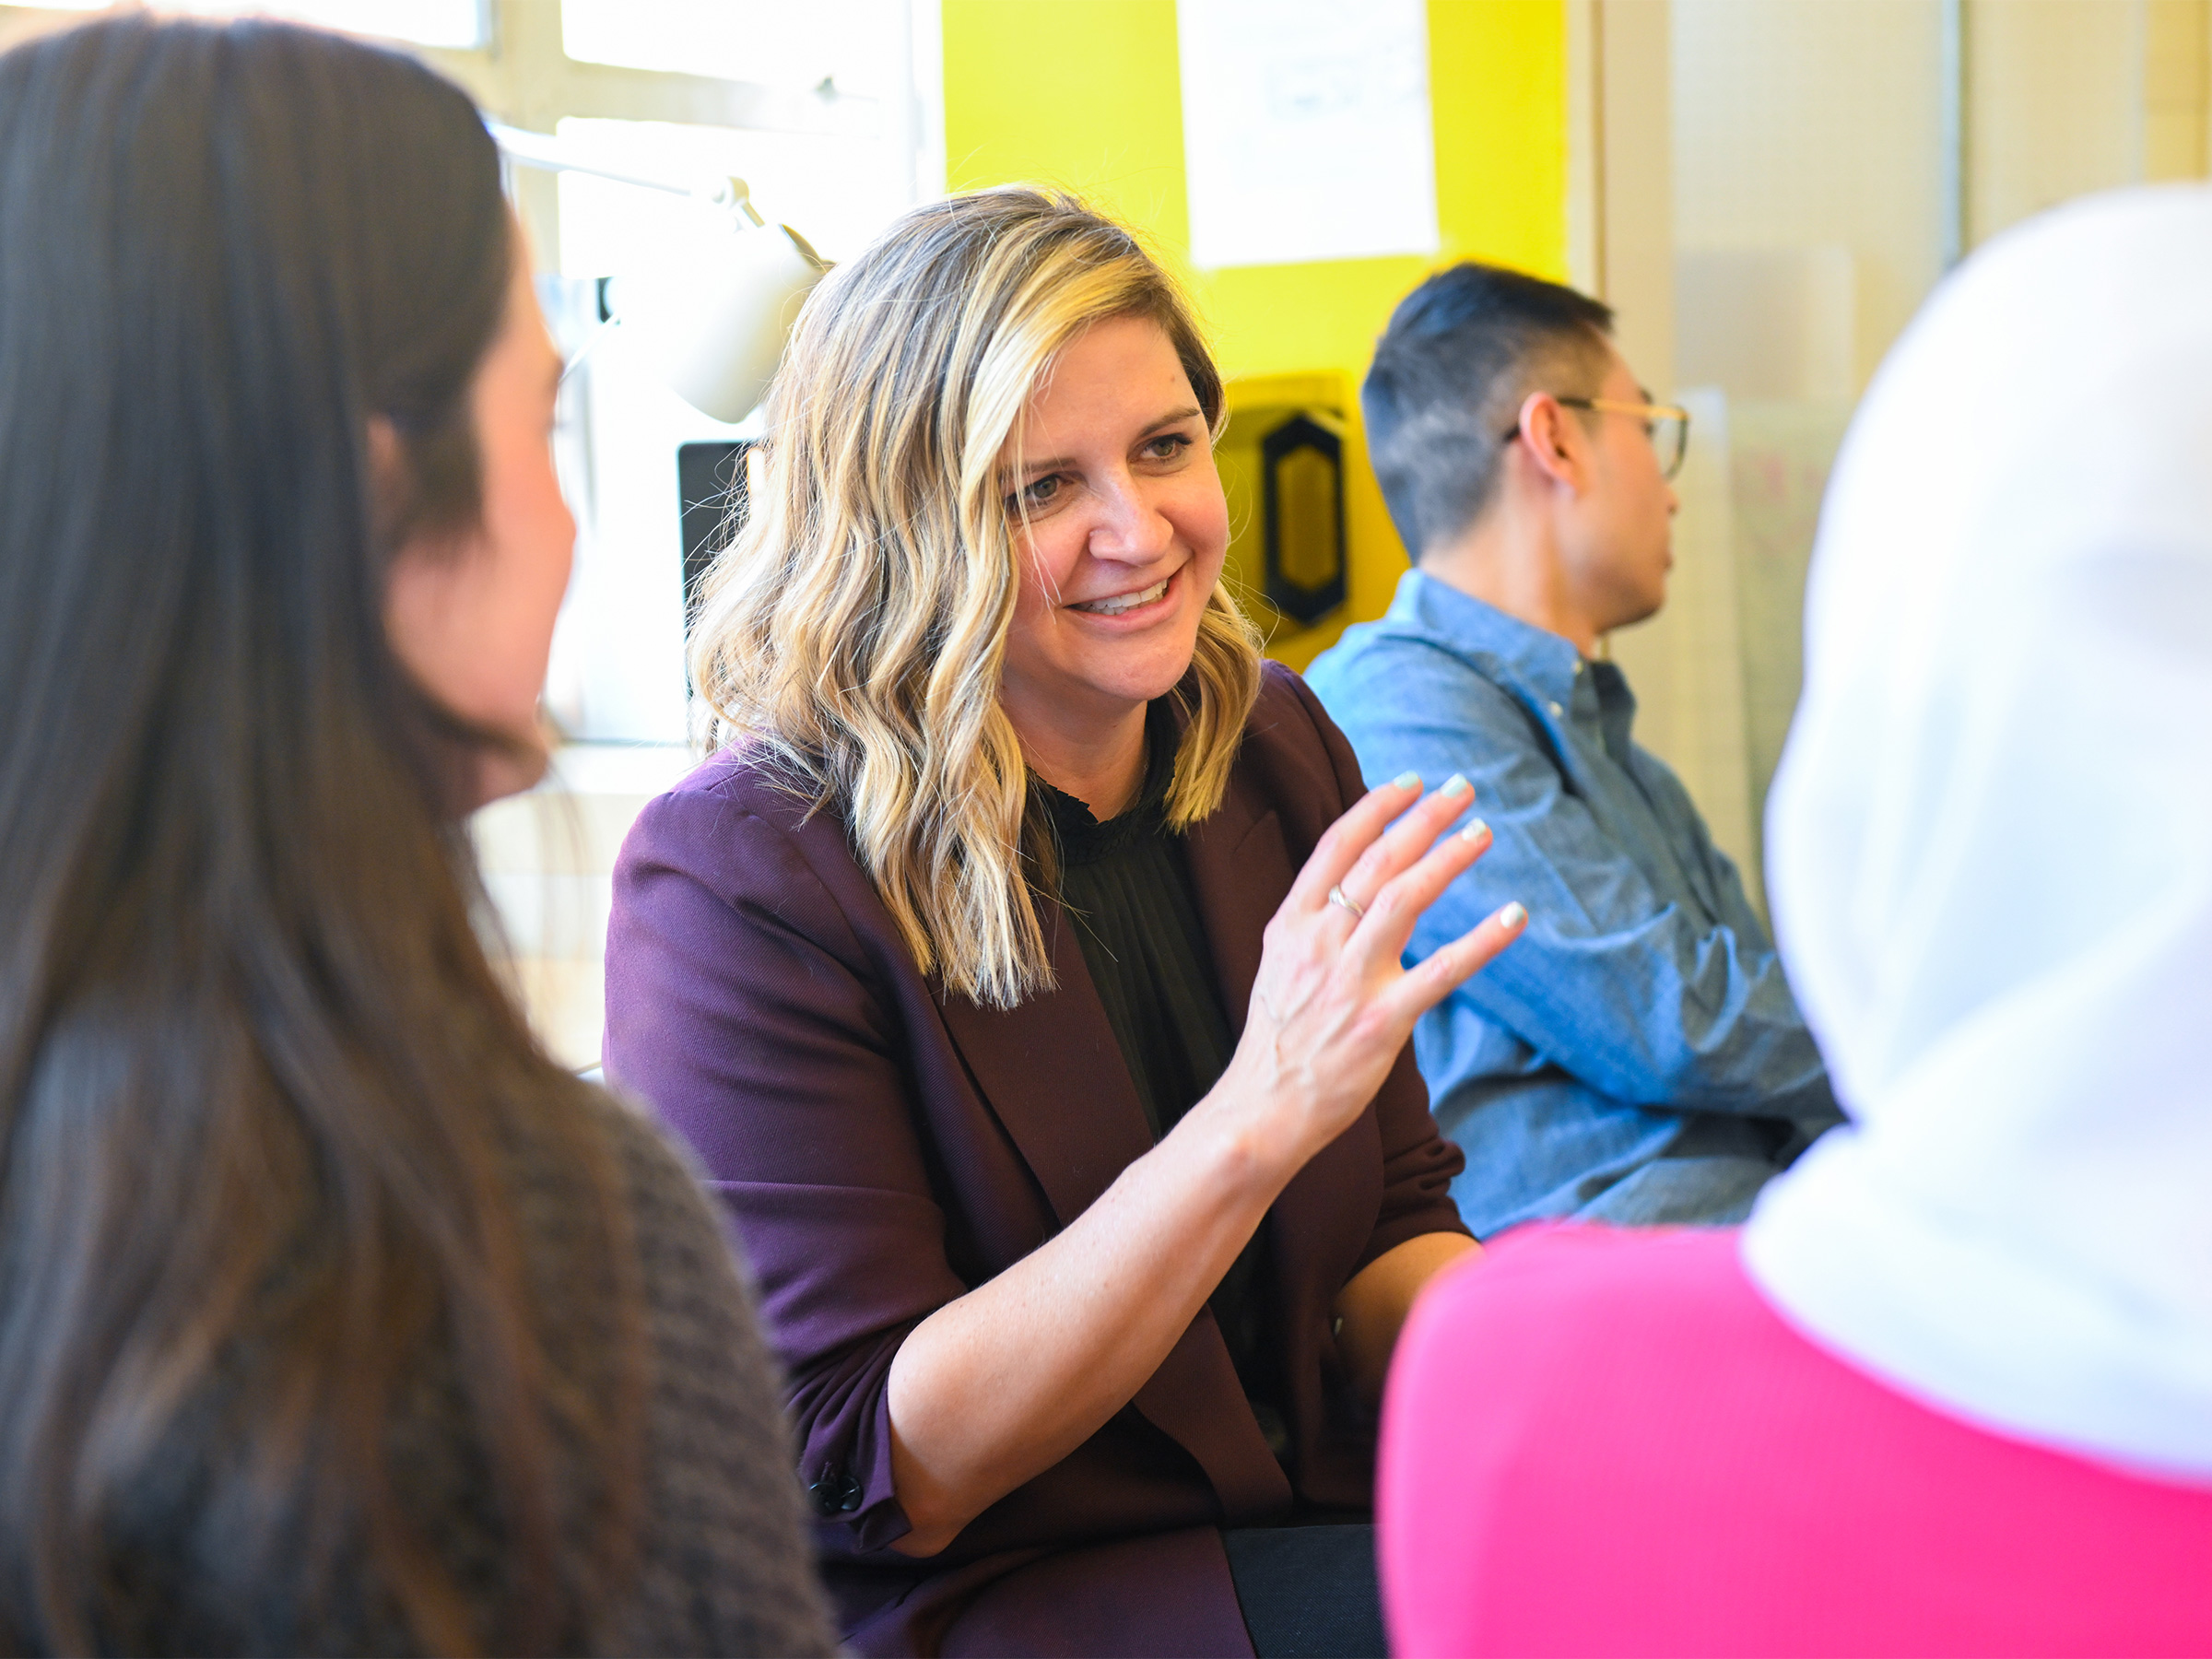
<point x="725" y="1564"/>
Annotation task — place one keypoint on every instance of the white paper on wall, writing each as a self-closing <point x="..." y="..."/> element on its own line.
<point x="1305" y="129"/>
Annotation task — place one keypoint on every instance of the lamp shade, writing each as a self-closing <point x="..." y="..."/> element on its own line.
<point x="712" y="325"/>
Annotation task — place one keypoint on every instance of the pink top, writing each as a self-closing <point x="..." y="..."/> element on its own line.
<point x="1602" y="1441"/>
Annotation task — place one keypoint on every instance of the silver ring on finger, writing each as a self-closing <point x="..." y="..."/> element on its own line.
<point x="1336" y="895"/>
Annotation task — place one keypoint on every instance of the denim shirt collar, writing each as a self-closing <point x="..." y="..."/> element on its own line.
<point x="1546" y="671"/>
<point x="1546" y="665"/>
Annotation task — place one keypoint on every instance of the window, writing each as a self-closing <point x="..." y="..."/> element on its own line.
<point x="818" y="118"/>
<point x="455" y="24"/>
<point x="853" y="46"/>
<point x="618" y="671"/>
<point x="838" y="189"/>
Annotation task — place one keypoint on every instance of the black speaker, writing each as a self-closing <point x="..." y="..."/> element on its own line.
<point x="711" y="481"/>
<point x="1301" y="516"/>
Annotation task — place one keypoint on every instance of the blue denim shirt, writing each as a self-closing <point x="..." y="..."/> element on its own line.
<point x="1636" y="1055"/>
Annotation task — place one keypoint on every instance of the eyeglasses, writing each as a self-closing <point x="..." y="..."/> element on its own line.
<point x="1666" y="425"/>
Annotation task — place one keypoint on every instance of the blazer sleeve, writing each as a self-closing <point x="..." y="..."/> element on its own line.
<point x="741" y="1004"/>
<point x="1417" y="1161"/>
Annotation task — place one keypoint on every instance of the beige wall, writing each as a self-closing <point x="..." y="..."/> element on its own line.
<point x="1810" y="219"/>
<point x="1816" y="124"/>
<point x="2177" y="88"/>
<point x="1801" y="124"/>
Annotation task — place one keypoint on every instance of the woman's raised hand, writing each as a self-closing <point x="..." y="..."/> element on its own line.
<point x="1333" y="1005"/>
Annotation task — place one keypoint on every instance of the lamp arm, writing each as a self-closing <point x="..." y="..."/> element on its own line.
<point x="711" y="326"/>
<point x="544" y="149"/>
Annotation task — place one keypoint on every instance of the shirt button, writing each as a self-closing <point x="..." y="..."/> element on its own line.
<point x="837" y="1492"/>
<point x="1555" y="709"/>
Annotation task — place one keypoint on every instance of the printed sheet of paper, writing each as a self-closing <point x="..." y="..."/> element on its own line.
<point x="1305" y="129"/>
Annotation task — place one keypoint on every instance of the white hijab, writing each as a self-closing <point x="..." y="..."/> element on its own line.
<point x="1991" y="851"/>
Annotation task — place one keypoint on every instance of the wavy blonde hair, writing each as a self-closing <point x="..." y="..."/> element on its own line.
<point x="856" y="628"/>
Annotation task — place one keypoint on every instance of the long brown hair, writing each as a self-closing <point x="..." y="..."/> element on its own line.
<point x="857" y="627"/>
<point x="260" y="1089"/>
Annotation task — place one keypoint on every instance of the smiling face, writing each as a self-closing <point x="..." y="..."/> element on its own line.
<point x="1126" y="529"/>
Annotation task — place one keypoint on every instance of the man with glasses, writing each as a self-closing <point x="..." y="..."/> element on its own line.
<point x="1636" y="1056"/>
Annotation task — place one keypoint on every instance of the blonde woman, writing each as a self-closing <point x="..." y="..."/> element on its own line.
<point x="1071" y="1125"/>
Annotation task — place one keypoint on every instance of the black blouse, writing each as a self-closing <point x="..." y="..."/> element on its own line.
<point x="1126" y="887"/>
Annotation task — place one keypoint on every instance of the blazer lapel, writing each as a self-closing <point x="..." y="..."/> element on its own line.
<point x="1196" y="1400"/>
<point x="1241" y="871"/>
<point x="1077" y="1140"/>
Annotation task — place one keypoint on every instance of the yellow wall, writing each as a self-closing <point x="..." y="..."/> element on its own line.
<point x="1084" y="94"/>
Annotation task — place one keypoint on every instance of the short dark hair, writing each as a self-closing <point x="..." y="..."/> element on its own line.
<point x="1461" y="353"/>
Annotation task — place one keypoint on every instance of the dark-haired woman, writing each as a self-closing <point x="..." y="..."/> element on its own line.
<point x="333" y="1315"/>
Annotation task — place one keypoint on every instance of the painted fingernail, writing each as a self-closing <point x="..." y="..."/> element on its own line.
<point x="1407" y="781"/>
<point x="1512" y="916"/>
<point x="1478" y="830"/>
<point x="1458" y="786"/>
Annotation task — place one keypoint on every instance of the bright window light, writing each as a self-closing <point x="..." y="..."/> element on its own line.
<point x="836" y="191"/>
<point x="796" y="44"/>
<point x="455" y="23"/>
<point x="618" y="667"/>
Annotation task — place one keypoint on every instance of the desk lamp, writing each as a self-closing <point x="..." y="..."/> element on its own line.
<point x="714" y="326"/>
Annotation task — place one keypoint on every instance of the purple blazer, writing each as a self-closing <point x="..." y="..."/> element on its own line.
<point x="884" y="1147"/>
